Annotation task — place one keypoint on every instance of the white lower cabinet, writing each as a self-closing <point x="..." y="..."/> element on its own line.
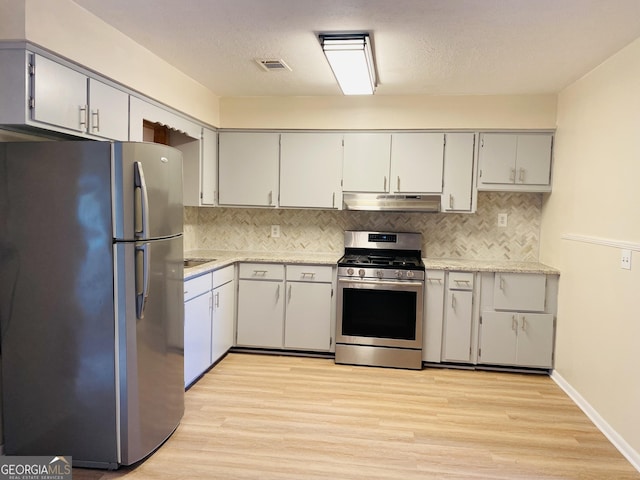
<point x="433" y="316"/>
<point x="197" y="327"/>
<point x="260" y="313"/>
<point x="517" y="324"/>
<point x="223" y="308"/>
<point x="520" y="339"/>
<point x="458" y="325"/>
<point x="296" y="314"/>
<point x="208" y="320"/>
<point x="308" y="308"/>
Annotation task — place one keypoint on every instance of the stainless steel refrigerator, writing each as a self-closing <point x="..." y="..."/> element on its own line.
<point x="91" y="299"/>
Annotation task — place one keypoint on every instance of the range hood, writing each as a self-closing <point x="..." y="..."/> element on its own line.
<point x="391" y="203"/>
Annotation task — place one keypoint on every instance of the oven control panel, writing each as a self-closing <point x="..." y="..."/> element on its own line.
<point x="381" y="273"/>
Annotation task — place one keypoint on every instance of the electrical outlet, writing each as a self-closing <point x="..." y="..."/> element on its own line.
<point x="275" y="231"/>
<point x="502" y="219"/>
<point x="625" y="259"/>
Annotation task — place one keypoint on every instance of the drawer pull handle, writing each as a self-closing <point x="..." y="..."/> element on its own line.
<point x="260" y="272"/>
<point x="310" y="274"/>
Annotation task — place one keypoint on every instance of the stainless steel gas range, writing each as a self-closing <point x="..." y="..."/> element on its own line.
<point x="380" y="300"/>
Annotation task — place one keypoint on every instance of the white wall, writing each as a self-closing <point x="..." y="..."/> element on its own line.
<point x="401" y="112"/>
<point x="70" y="31"/>
<point x="596" y="194"/>
<point x="12" y="19"/>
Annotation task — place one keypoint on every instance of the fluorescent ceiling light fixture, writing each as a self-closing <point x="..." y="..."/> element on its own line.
<point x="351" y="60"/>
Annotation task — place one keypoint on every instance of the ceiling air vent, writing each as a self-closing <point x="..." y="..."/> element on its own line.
<point x="273" y="65"/>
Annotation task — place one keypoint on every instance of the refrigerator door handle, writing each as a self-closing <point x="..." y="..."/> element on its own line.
<point x="142" y="278"/>
<point x="142" y="203"/>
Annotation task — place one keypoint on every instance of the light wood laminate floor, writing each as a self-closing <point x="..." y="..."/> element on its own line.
<point x="272" y="417"/>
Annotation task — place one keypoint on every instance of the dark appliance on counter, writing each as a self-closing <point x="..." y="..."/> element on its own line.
<point x="380" y="300"/>
<point x="91" y="299"/>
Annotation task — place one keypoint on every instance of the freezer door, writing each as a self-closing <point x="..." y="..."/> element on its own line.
<point x="150" y="348"/>
<point x="147" y="191"/>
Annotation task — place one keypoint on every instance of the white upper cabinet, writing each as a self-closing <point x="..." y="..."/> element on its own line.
<point x="310" y="165"/>
<point x="515" y="162"/>
<point x="42" y="92"/>
<point x="59" y="95"/>
<point x="457" y="194"/>
<point x="248" y="168"/>
<point x="367" y="159"/>
<point x="417" y="162"/>
<point x="209" y="166"/>
<point x="108" y="111"/>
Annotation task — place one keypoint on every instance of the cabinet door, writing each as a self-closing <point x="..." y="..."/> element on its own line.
<point x="260" y="313"/>
<point x="519" y="291"/>
<point x="310" y="166"/>
<point x="308" y="319"/>
<point x="208" y="175"/>
<point x="535" y="340"/>
<point x="60" y="95"/>
<point x="497" y="160"/>
<point x="417" y="162"/>
<point x="248" y="168"/>
<point x="458" y="172"/>
<point x="498" y="333"/>
<point x="458" y="321"/>
<point x="533" y="162"/>
<point x="222" y="329"/>
<point x="109" y="111"/>
<point x="197" y="337"/>
<point x="367" y="159"/>
<point x="434" y="316"/>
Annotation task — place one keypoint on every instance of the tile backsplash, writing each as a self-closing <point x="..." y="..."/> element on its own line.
<point x="445" y="235"/>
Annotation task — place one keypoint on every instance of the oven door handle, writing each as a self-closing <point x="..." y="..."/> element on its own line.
<point x="359" y="281"/>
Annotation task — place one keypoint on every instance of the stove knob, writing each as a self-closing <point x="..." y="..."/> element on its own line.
<point x="380" y="273"/>
<point x="349" y="271"/>
<point x="361" y="272"/>
<point x="410" y="274"/>
<point x="399" y="273"/>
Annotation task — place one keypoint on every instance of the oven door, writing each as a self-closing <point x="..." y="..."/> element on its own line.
<point x="380" y="312"/>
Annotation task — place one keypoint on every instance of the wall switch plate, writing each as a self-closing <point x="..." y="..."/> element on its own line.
<point x="275" y="231"/>
<point x="502" y="219"/>
<point x="625" y="259"/>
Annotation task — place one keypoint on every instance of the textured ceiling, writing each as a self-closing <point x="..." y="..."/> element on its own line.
<point x="421" y="46"/>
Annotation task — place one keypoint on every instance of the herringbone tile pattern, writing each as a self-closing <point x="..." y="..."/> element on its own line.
<point x="445" y="235"/>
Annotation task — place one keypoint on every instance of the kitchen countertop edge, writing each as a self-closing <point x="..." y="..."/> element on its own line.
<point x="223" y="258"/>
<point x="496" y="266"/>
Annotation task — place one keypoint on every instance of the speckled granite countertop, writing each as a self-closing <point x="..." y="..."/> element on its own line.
<point x="503" y="266"/>
<point x="222" y="258"/>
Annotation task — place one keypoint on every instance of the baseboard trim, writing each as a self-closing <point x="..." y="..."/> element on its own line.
<point x="614" y="437"/>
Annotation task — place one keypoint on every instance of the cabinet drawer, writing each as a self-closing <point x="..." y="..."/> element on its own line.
<point x="461" y="280"/>
<point x="261" y="271"/>
<point x="222" y="276"/>
<point x="197" y="286"/>
<point x="519" y="291"/>
<point x="309" y="273"/>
